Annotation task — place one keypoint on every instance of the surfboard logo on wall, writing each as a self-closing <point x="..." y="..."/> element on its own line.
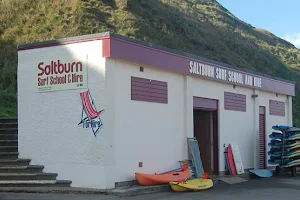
<point x="90" y="117"/>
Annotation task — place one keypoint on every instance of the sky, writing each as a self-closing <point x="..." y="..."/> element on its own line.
<point x="282" y="18"/>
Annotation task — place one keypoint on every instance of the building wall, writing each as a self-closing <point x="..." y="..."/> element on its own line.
<point x="240" y="128"/>
<point x="152" y="133"/>
<point x="48" y="122"/>
<point x="235" y="127"/>
<point x="272" y="120"/>
<point x="141" y="128"/>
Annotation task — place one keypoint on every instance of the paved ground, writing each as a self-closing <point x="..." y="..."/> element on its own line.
<point x="263" y="189"/>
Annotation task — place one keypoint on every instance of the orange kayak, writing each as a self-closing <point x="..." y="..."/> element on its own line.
<point x="157" y="179"/>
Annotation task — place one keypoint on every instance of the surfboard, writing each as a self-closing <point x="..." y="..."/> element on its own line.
<point x="291" y="155"/>
<point x="292" y="129"/>
<point x="227" y="167"/>
<point x="274" y="154"/>
<point x="237" y="159"/>
<point x="275" y="135"/>
<point x="291" y="163"/>
<point x="281" y="127"/>
<point x="263" y="173"/>
<point x="271" y="162"/>
<point x="274" y="162"/>
<point x="285" y="162"/>
<point x="287" y="147"/>
<point x="291" y="144"/>
<point x="194" y="153"/>
<point x="276" y="142"/>
<point x="231" y="161"/>
<point x="284" y="138"/>
<point x="291" y="137"/>
<point x="275" y="150"/>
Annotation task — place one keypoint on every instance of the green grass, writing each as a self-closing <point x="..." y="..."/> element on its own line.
<point x="201" y="27"/>
<point x="8" y="105"/>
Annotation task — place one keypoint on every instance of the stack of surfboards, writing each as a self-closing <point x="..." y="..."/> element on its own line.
<point x="285" y="146"/>
<point x="234" y="164"/>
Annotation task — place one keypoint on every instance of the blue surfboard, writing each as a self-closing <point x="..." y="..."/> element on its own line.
<point x="281" y="127"/>
<point x="290" y="163"/>
<point x="275" y="159"/>
<point x="275" y="143"/>
<point x="276" y="135"/>
<point x="263" y="173"/>
<point x="274" y="151"/>
<point x="292" y="143"/>
<point x="291" y="137"/>
<point x="293" y="130"/>
<point x="272" y="162"/>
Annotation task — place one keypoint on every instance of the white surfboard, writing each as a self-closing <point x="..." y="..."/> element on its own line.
<point x="237" y="159"/>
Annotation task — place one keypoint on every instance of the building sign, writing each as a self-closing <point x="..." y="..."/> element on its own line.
<point x="224" y="74"/>
<point x="60" y="75"/>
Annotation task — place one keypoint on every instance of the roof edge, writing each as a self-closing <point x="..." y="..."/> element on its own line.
<point x="193" y="56"/>
<point x="144" y="43"/>
<point x="63" y="40"/>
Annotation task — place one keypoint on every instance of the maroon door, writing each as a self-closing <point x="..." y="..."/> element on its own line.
<point x="262" y="138"/>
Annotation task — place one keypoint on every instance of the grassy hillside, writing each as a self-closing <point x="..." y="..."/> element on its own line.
<point x="201" y="27"/>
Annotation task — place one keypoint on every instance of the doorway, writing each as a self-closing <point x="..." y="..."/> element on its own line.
<point x="262" y="138"/>
<point x="206" y="132"/>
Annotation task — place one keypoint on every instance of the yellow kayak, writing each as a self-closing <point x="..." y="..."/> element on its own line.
<point x="192" y="185"/>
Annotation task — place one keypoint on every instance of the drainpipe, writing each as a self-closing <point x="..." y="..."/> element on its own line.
<point x="255" y="127"/>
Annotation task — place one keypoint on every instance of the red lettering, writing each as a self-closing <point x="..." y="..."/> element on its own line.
<point x="59" y="68"/>
<point x="42" y="81"/>
<point x="69" y="78"/>
<point x="40" y="68"/>
<point x="54" y="67"/>
<point x="80" y="65"/>
<point x="72" y="66"/>
<point x="47" y="69"/>
<point x="68" y="68"/>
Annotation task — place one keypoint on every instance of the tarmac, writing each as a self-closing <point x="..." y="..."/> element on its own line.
<point x="124" y="191"/>
<point x="281" y="187"/>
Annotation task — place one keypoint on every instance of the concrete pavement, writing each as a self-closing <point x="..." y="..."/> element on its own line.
<point x="274" y="188"/>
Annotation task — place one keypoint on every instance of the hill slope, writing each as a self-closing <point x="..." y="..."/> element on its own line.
<point x="201" y="27"/>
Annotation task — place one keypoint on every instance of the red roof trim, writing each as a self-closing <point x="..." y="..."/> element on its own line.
<point x="147" y="55"/>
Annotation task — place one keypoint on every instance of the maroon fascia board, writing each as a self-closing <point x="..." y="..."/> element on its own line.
<point x="120" y="47"/>
<point x="145" y="55"/>
<point x="204" y="103"/>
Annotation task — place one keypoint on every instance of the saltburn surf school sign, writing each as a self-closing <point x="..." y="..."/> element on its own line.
<point x="221" y="74"/>
<point x="60" y="75"/>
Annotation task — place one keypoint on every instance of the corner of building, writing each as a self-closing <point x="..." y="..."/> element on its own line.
<point x="65" y="91"/>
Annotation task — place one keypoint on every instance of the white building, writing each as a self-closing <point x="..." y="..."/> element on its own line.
<point x="151" y="98"/>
